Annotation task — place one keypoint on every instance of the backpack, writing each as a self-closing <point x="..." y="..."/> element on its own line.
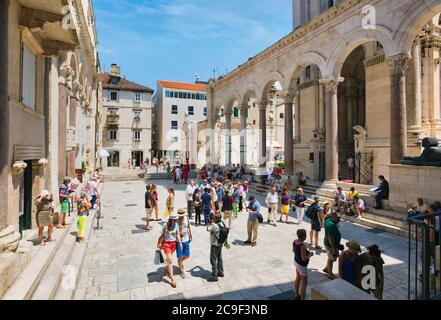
<point x="310" y="213"/>
<point x="223" y="233"/>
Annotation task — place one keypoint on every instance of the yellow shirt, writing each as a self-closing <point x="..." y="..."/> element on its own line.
<point x="352" y="195"/>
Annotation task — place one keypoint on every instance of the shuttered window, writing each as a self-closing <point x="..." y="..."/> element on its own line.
<point x="28" y="78"/>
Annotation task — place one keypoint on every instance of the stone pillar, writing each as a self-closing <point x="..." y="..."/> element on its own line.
<point x="243" y="134"/>
<point x="398" y="128"/>
<point x="416" y="127"/>
<point x="289" y="140"/>
<point x="210" y="139"/>
<point x="228" y="116"/>
<point x="297" y="113"/>
<point x="331" y="110"/>
<point x="262" y="128"/>
<point x="4" y="110"/>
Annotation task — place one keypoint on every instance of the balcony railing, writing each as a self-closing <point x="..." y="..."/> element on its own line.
<point x="113" y="119"/>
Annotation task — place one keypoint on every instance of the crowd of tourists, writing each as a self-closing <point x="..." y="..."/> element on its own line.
<point x="71" y="194"/>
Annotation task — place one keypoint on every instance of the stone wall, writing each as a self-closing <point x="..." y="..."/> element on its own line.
<point x="407" y="183"/>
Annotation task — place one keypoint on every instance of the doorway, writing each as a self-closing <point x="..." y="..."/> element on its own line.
<point x="25" y="205"/>
<point x="113" y="159"/>
<point x="138" y="156"/>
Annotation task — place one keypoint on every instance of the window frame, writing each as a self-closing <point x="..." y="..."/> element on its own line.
<point x="172" y="109"/>
<point x="137" y="132"/>
<point x="192" y="112"/>
<point x="109" y="137"/>
<point x="174" y="127"/>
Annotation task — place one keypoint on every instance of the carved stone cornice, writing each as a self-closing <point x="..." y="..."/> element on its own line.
<point x="373" y="61"/>
<point x="288" y="40"/>
<point x="331" y="85"/>
<point x="399" y="64"/>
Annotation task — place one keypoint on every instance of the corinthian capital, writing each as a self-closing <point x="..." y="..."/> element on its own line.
<point x="332" y="84"/>
<point x="399" y="64"/>
<point x="244" y="108"/>
<point x="288" y="96"/>
<point x="262" y="104"/>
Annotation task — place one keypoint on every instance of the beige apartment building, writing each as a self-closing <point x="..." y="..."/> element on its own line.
<point x="178" y="107"/>
<point x="127" y="133"/>
<point x="49" y="86"/>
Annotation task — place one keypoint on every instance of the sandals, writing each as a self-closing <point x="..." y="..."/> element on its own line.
<point x="173" y="283"/>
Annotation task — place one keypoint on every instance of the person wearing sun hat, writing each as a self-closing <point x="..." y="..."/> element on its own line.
<point x="170" y="237"/>
<point x="348" y="263"/>
<point x="45" y="207"/>
<point x="185" y="233"/>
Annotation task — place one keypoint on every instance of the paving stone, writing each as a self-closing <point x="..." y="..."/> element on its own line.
<point x="123" y="295"/>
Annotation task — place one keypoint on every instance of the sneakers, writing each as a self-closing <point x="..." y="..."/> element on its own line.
<point x="221" y="275"/>
<point x="247" y="242"/>
<point x="213" y="279"/>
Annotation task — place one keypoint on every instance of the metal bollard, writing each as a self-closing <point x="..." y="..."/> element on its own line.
<point x="98" y="217"/>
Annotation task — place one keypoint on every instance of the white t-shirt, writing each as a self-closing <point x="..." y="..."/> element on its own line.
<point x="91" y="185"/>
<point x="190" y="190"/>
<point x="272" y="198"/>
<point x="185" y="237"/>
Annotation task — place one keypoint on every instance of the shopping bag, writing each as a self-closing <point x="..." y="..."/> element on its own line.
<point x="166" y="213"/>
<point x="159" y="259"/>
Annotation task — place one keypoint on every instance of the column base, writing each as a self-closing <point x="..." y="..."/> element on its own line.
<point x="328" y="188"/>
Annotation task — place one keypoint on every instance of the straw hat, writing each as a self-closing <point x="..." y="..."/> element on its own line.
<point x="182" y="213"/>
<point x="44" y="193"/>
<point x="353" y="245"/>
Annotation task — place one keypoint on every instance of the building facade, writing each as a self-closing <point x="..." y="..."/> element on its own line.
<point x="178" y="107"/>
<point x="49" y="88"/>
<point x="361" y="80"/>
<point x="127" y="133"/>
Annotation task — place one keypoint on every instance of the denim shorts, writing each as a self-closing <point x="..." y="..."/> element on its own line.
<point x="185" y="252"/>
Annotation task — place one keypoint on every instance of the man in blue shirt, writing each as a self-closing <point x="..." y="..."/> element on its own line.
<point x="207" y="205"/>
<point x="253" y="222"/>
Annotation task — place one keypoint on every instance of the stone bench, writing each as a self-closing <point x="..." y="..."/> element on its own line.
<point x="339" y="289"/>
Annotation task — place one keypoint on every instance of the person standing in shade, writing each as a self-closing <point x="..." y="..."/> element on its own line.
<point x="253" y="222"/>
<point x="300" y="200"/>
<point x="186" y="237"/>
<point x="207" y="205"/>
<point x="227" y="208"/>
<point x="168" y="240"/>
<point x="383" y="192"/>
<point x="332" y="243"/>
<point x="191" y="188"/>
<point x="284" y="207"/>
<point x="65" y="196"/>
<point x="316" y="215"/>
<point x="301" y="261"/>
<point x="197" y="203"/>
<point x="348" y="263"/>
<point x="45" y="213"/>
<point x="272" y="199"/>
<point x="217" y="264"/>
<point x="148" y="198"/>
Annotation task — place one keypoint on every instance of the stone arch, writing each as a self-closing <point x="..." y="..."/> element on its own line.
<point x="418" y="15"/>
<point x="351" y="41"/>
<point x="233" y="97"/>
<point x="269" y="80"/>
<point x="250" y="91"/>
<point x="309" y="58"/>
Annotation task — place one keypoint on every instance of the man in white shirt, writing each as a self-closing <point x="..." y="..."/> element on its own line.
<point x="191" y="188"/>
<point x="272" y="199"/>
<point x="340" y="198"/>
<point x="92" y="191"/>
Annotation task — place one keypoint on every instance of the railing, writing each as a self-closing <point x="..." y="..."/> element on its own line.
<point x="424" y="256"/>
<point x="112" y="119"/>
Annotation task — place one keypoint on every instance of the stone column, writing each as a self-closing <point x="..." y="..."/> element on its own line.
<point x="62" y="103"/>
<point x="298" y="117"/>
<point x="262" y="128"/>
<point x="243" y="134"/>
<point x="398" y="122"/>
<point x="210" y="139"/>
<point x="331" y="110"/>
<point x="228" y="115"/>
<point x="416" y="127"/>
<point x="289" y="140"/>
<point x="4" y="110"/>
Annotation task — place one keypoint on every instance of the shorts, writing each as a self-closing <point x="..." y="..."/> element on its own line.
<point x="284" y="209"/>
<point x="185" y="252"/>
<point x="64" y="207"/>
<point x="169" y="247"/>
<point x="316" y="227"/>
<point x="331" y="255"/>
<point x="148" y="212"/>
<point x="302" y="270"/>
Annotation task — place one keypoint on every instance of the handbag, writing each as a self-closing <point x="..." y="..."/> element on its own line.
<point x="259" y="217"/>
<point x="159" y="258"/>
<point x="166" y="213"/>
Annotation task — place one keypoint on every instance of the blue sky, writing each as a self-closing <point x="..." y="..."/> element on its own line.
<point x="174" y="39"/>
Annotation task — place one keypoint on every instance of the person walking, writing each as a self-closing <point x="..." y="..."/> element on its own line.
<point x="301" y="261"/>
<point x="253" y="222"/>
<point x="217" y="265"/>
<point x="284" y="207"/>
<point x="348" y="263"/>
<point x="44" y="216"/>
<point x="83" y="206"/>
<point x="168" y="240"/>
<point x="207" y="204"/>
<point x="185" y="172"/>
<point x="227" y="208"/>
<point x="316" y="215"/>
<point x="186" y="237"/>
<point x="220" y="195"/>
<point x="332" y="242"/>
<point x="197" y="203"/>
<point x="64" y="195"/>
<point x="92" y="190"/>
<point x="272" y="199"/>
<point x="148" y="199"/>
<point x="191" y="188"/>
<point x="240" y="207"/>
<point x="170" y="202"/>
<point x="154" y="199"/>
<point x="300" y="200"/>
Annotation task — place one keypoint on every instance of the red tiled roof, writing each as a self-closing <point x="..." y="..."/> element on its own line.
<point x="182" y="85"/>
<point x="123" y="84"/>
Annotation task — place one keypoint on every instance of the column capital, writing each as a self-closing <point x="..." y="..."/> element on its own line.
<point x="331" y="84"/>
<point x="244" y="107"/>
<point x="399" y="64"/>
<point x="228" y="114"/>
<point x="288" y="96"/>
<point x="262" y="104"/>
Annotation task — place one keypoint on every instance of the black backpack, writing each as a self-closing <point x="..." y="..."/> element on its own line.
<point x="223" y="233"/>
<point x="310" y="212"/>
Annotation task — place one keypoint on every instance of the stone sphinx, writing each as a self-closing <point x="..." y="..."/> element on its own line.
<point x="431" y="155"/>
